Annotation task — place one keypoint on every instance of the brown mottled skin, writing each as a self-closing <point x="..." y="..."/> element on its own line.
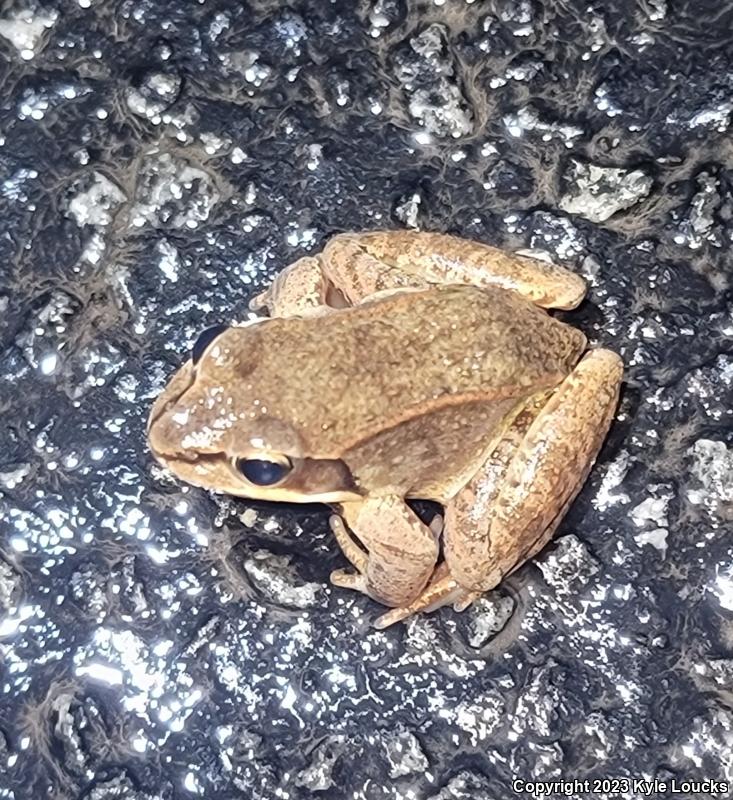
<point x="404" y="365"/>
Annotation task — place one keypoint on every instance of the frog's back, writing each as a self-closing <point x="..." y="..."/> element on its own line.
<point x="385" y="359"/>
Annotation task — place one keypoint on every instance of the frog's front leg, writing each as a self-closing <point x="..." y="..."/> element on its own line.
<point x="399" y="555"/>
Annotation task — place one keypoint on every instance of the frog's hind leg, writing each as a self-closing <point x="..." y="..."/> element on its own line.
<point x="355" y="267"/>
<point x="343" y="275"/>
<point x="547" y="470"/>
<point x="513" y="505"/>
<point x="438" y="258"/>
<point x="299" y="288"/>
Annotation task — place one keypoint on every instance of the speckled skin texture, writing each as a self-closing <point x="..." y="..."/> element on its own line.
<point x="161" y="162"/>
<point x="405" y="357"/>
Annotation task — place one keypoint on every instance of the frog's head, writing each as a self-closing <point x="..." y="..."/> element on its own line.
<point x="211" y="427"/>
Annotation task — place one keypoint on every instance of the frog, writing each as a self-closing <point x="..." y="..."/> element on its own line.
<point x="395" y="366"/>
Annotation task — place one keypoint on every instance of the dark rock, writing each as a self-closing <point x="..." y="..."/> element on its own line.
<point x="160" y="161"/>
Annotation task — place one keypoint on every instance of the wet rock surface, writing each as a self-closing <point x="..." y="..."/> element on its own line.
<point x="160" y="162"/>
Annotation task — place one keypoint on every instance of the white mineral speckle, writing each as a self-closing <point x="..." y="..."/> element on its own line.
<point x="656" y="538"/>
<point x="317" y="776"/>
<point x="698" y="227"/>
<point x="405" y="755"/>
<point x="172" y="192"/>
<point x="614" y="476"/>
<point x="656" y="9"/>
<point x="48" y="364"/>
<point x="24" y="29"/>
<point x="654" y="509"/>
<point x="478" y="718"/>
<point x="446" y="119"/>
<point x="191" y="783"/>
<point x="33" y="105"/>
<point x="722" y="588"/>
<point x="170" y="262"/>
<point x="712" y="466"/>
<point x="569" y="566"/>
<point x="277" y="579"/>
<point x="407" y="211"/>
<point x="440" y="107"/>
<point x="248" y="64"/>
<point x="707" y="737"/>
<point x="604" y="102"/>
<point x="249" y="517"/>
<point x="597" y="192"/>
<point x="9" y="585"/>
<point x="156" y="92"/>
<point x="379" y="18"/>
<point x="14" y="187"/>
<point x="214" y="145"/>
<point x="220" y="23"/>
<point x="93" y="249"/>
<point x="652" y="516"/>
<point x="96" y="202"/>
<point x="528" y="119"/>
<point x="718" y="117"/>
<point x="12" y="476"/>
<point x="557" y="234"/>
<point x="488" y="615"/>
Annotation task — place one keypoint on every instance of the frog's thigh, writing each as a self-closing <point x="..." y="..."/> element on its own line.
<point x="401" y="550"/>
<point x="356" y="274"/>
<point x="544" y="476"/>
<point x="300" y="287"/>
<point x="440" y="258"/>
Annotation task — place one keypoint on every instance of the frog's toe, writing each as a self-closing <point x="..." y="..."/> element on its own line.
<point x="350" y="549"/>
<point x="391" y="617"/>
<point x="348" y="580"/>
<point x="462" y="602"/>
<point x="442" y="594"/>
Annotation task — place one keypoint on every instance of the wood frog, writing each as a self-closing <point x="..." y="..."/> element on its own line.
<point x="398" y="365"/>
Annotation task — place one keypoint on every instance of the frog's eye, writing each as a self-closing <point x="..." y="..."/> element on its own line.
<point x="261" y="472"/>
<point x="205" y="339"/>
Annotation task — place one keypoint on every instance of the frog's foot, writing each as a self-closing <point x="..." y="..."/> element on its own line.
<point x="484" y="541"/>
<point x="349" y="580"/>
<point x="352" y="551"/>
<point x="442" y="590"/>
<point x="300" y="288"/>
